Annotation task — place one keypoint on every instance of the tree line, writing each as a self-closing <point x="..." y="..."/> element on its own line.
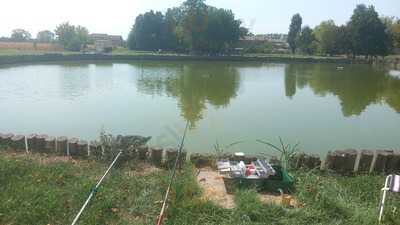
<point x="195" y="27"/>
<point x="364" y="34"/>
<point x="70" y="37"/>
<point x="21" y="35"/>
<point x="192" y="27"/>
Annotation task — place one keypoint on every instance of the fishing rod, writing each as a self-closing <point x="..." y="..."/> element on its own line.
<point x="94" y="190"/>
<point x="164" y="205"/>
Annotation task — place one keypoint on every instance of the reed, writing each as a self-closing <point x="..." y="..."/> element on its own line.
<point x="220" y="150"/>
<point x="287" y="152"/>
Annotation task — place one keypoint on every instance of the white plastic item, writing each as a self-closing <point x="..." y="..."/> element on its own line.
<point x="242" y="167"/>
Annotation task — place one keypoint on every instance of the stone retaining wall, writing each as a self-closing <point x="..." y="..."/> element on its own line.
<point x="82" y="149"/>
<point x="340" y="161"/>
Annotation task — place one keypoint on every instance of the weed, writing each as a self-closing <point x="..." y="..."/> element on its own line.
<point x="220" y="150"/>
<point x="287" y="152"/>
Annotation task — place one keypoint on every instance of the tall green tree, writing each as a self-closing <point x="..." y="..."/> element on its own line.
<point x="294" y="32"/>
<point x="72" y="38"/>
<point x="65" y="33"/>
<point x="192" y="27"/>
<point x="222" y="30"/>
<point x="172" y="31"/>
<point x="396" y="33"/>
<point x="148" y="31"/>
<point x="20" y="35"/>
<point x="306" y="41"/>
<point x="82" y="34"/>
<point x="342" y="41"/>
<point x="368" y="33"/>
<point x="45" y="36"/>
<point x="392" y="25"/>
<point x="326" y="33"/>
<point x="195" y="23"/>
<point x="131" y="41"/>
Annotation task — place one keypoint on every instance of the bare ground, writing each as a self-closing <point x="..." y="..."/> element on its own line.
<point x="214" y="190"/>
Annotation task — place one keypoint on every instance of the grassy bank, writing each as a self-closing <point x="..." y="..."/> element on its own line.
<point x="41" y="190"/>
<point x="21" y="56"/>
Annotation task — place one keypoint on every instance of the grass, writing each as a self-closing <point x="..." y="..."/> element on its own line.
<point x="32" y="192"/>
<point x="125" y="51"/>
<point x="16" y="52"/>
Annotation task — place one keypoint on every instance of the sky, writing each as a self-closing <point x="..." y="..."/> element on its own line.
<point x="117" y="16"/>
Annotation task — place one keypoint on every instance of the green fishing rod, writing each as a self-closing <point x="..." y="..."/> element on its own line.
<point x="94" y="190"/>
<point x="164" y="205"/>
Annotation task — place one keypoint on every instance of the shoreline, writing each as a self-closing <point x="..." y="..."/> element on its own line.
<point x="345" y="161"/>
<point x="59" y="57"/>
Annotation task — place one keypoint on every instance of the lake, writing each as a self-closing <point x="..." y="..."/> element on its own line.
<point x="317" y="105"/>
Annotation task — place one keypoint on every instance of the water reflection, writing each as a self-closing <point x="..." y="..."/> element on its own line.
<point x="193" y="84"/>
<point x="357" y="86"/>
<point x="74" y="80"/>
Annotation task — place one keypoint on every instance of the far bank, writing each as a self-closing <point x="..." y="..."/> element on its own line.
<point x="58" y="57"/>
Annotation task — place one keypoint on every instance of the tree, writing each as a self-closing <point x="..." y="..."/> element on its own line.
<point x="222" y="30"/>
<point x="82" y="35"/>
<point x="20" y="35"/>
<point x="147" y="31"/>
<point x="131" y="41"/>
<point x="325" y="33"/>
<point x="65" y="33"/>
<point x="294" y="31"/>
<point x="45" y="36"/>
<point x="194" y="23"/>
<point x="188" y="27"/>
<point x="396" y="33"/>
<point x="72" y="38"/>
<point x="342" y="41"/>
<point x="74" y="44"/>
<point x="392" y="25"/>
<point x="368" y="33"/>
<point x="244" y="31"/>
<point x="172" y="29"/>
<point x="306" y="41"/>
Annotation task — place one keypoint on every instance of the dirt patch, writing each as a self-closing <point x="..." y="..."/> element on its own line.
<point x="214" y="190"/>
<point x="44" y="160"/>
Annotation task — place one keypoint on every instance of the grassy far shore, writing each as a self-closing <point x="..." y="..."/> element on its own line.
<point x="125" y="51"/>
<point x="15" y="56"/>
<point x="45" y="190"/>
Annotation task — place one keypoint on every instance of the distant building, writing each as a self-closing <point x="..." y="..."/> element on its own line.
<point x="282" y="38"/>
<point x="264" y="43"/>
<point x="96" y="37"/>
<point x="103" y="45"/>
<point x="116" y="40"/>
<point x="104" y="41"/>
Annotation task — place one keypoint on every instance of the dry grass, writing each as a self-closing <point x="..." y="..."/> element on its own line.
<point x="30" y="46"/>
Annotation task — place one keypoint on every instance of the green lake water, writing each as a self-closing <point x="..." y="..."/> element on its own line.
<point x="316" y="105"/>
